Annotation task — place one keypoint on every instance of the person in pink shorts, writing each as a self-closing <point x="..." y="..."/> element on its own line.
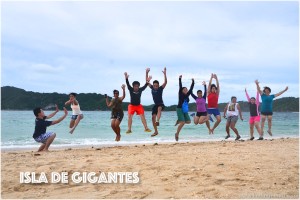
<point x="254" y="115"/>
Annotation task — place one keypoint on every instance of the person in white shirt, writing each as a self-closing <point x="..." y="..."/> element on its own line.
<point x="232" y="110"/>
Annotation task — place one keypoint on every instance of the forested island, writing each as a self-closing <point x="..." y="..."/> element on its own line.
<point x="13" y="98"/>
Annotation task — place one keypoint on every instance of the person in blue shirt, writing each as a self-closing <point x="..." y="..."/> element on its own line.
<point x="267" y="105"/>
<point x="40" y="134"/>
<point x="157" y="92"/>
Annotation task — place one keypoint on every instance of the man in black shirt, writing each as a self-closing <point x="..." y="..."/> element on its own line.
<point x="135" y="105"/>
<point x="157" y="92"/>
<point x="40" y="134"/>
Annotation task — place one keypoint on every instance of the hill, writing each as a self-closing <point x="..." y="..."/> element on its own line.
<point x="13" y="98"/>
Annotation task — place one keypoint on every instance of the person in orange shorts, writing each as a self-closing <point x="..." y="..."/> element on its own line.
<point x="135" y="105"/>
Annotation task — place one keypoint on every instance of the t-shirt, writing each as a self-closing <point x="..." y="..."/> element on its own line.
<point x="157" y="95"/>
<point x="232" y="109"/>
<point x="267" y="103"/>
<point x="135" y="97"/>
<point x="40" y="126"/>
<point x="201" y="102"/>
<point x="212" y="100"/>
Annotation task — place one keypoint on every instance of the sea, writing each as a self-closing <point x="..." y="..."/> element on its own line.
<point x="94" y="130"/>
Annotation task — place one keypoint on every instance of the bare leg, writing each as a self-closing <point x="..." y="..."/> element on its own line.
<point x="181" y="124"/>
<point x="196" y="120"/>
<point x="144" y="122"/>
<point x="129" y="123"/>
<point x="251" y="131"/>
<point x="72" y="122"/>
<point x="114" y="127"/>
<point x="118" y="130"/>
<point x="42" y="147"/>
<point x="49" y="142"/>
<point x="232" y="126"/>
<point x="208" y="126"/>
<point x="257" y="126"/>
<point x="263" y="119"/>
<point x="270" y="124"/>
<point x="158" y="114"/>
<point x="154" y="125"/>
<point x="216" y="123"/>
<point x="203" y="119"/>
<point x="227" y="129"/>
<point x="79" y="117"/>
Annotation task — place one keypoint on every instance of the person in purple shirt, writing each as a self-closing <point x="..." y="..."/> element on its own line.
<point x="201" y="115"/>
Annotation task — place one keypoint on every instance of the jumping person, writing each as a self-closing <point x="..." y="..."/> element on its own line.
<point x="135" y="105"/>
<point x="117" y="113"/>
<point x="233" y="110"/>
<point x="201" y="115"/>
<point x="267" y="106"/>
<point x="212" y="100"/>
<point x="157" y="92"/>
<point x="40" y="135"/>
<point x="182" y="107"/>
<point x="254" y="119"/>
<point x="76" y="112"/>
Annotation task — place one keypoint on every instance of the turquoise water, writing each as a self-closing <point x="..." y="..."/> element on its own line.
<point x="94" y="130"/>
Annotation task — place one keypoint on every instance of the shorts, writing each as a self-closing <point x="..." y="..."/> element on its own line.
<point x="232" y="119"/>
<point x="267" y="113"/>
<point x="155" y="108"/>
<point x="199" y="114"/>
<point x="74" y="117"/>
<point x="213" y="111"/>
<point x="117" y="115"/>
<point x="138" y="109"/>
<point x="254" y="119"/>
<point x="182" y="117"/>
<point x="44" y="137"/>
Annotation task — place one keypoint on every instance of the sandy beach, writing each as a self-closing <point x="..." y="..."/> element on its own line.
<point x="244" y="169"/>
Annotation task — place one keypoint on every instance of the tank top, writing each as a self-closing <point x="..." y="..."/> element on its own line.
<point x="232" y="109"/>
<point x="212" y="100"/>
<point x="76" y="109"/>
<point x="117" y="105"/>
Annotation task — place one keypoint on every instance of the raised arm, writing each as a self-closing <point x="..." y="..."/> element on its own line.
<point x="127" y="81"/>
<point x="61" y="118"/>
<point x="123" y="88"/>
<point x="248" y="98"/>
<point x="258" y="88"/>
<point x="147" y="77"/>
<point x="204" y="95"/>
<point x="218" y="85"/>
<point x="209" y="84"/>
<point x="192" y="86"/>
<point x="280" y="93"/>
<point x="52" y="114"/>
<point x="257" y="99"/>
<point x="165" y="78"/>
<point x="180" y="83"/>
<point x="108" y="104"/>
<point x="194" y="96"/>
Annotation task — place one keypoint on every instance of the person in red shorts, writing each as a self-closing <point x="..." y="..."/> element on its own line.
<point x="135" y="105"/>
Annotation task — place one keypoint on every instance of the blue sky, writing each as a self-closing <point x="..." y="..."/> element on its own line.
<point x="86" y="47"/>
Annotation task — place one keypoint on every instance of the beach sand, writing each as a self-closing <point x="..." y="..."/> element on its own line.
<point x="249" y="169"/>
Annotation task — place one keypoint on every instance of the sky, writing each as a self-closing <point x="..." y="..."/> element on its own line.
<point x="85" y="47"/>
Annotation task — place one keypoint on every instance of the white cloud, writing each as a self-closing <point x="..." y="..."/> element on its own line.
<point x="94" y="43"/>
